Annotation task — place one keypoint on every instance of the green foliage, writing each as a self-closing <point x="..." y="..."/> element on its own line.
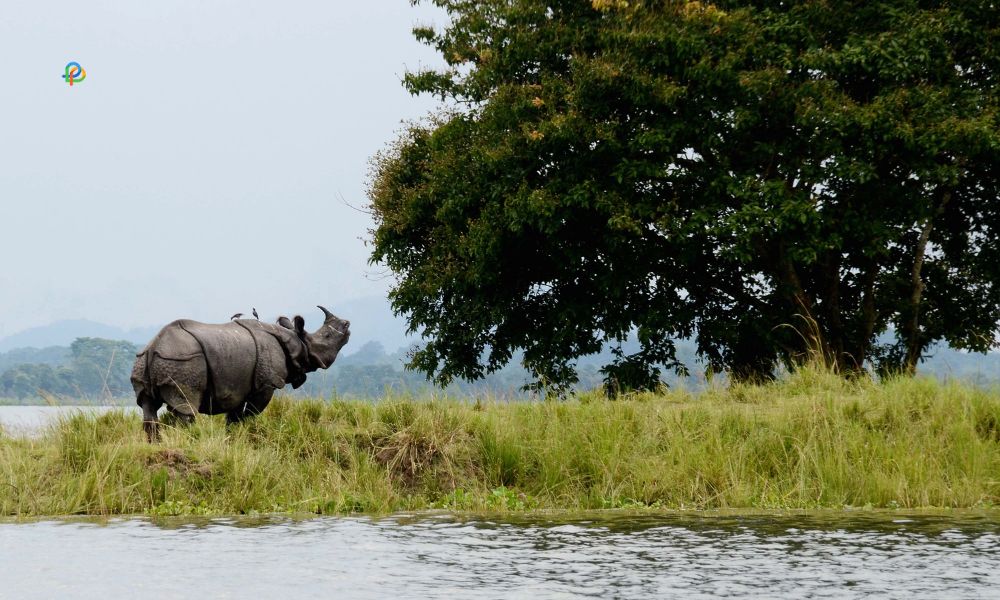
<point x="96" y="368"/>
<point x="174" y="508"/>
<point x="457" y="500"/>
<point x="815" y="440"/>
<point x="504" y="499"/>
<point x="53" y="355"/>
<point x="101" y="365"/>
<point x="29" y="380"/>
<point x="782" y="180"/>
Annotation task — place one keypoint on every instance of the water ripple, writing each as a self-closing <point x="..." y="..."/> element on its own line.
<point x="637" y="556"/>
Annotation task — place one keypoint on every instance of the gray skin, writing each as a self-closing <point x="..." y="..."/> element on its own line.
<point x="232" y="368"/>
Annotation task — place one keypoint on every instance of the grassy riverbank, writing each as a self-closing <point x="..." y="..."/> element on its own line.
<point x="813" y="441"/>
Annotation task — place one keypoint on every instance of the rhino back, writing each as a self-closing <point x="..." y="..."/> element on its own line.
<point x="171" y="343"/>
<point x="211" y="365"/>
<point x="231" y="356"/>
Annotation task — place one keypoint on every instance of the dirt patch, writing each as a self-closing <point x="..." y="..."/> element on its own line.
<point x="168" y="457"/>
<point x="177" y="463"/>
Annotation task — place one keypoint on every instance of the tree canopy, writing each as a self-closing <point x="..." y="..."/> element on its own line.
<point x="776" y="180"/>
<point x="94" y="368"/>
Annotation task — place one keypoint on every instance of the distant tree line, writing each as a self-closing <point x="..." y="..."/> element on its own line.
<point x="99" y="369"/>
<point x="95" y="369"/>
<point x="89" y="368"/>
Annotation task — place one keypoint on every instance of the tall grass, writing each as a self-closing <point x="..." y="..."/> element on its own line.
<point x="811" y="441"/>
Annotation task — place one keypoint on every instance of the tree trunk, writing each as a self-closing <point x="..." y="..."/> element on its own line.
<point x="914" y="348"/>
<point x="831" y="306"/>
<point x="868" y="316"/>
<point x="812" y="335"/>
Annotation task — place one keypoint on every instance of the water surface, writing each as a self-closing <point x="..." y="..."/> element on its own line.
<point x="30" y="420"/>
<point x="798" y="555"/>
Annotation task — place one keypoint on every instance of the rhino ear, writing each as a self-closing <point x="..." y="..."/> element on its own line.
<point x="300" y="325"/>
<point x="284" y="322"/>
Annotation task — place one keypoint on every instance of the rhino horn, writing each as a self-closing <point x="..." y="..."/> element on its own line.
<point x="329" y="315"/>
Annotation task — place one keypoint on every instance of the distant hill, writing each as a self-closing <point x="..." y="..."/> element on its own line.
<point x="371" y="321"/>
<point x="378" y="338"/>
<point x="62" y="333"/>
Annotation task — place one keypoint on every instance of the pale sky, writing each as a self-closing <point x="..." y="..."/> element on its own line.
<point x="199" y="168"/>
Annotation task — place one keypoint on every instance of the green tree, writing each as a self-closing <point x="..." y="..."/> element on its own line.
<point x="102" y="367"/>
<point x="97" y="368"/>
<point x="27" y="380"/>
<point x="779" y="180"/>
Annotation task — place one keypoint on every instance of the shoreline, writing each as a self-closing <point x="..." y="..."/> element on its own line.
<point x="555" y="516"/>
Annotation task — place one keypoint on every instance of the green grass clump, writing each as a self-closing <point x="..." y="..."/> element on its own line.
<point x="811" y="441"/>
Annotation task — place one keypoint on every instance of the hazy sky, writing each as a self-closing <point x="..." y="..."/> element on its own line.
<point x="198" y="169"/>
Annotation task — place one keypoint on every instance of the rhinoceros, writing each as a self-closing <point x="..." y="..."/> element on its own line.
<point x="232" y="368"/>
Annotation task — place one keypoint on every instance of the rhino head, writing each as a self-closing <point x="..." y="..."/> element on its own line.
<point x="323" y="344"/>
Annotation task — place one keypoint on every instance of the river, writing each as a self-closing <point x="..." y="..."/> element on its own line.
<point x="21" y="420"/>
<point x="630" y="555"/>
<point x="797" y="555"/>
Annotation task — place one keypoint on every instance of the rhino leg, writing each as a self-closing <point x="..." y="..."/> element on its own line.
<point x="149" y="422"/>
<point x="236" y="415"/>
<point x="254" y="405"/>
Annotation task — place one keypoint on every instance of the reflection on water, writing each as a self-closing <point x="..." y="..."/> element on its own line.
<point x="840" y="555"/>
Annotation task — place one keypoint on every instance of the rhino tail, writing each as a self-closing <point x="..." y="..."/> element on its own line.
<point x="140" y="376"/>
